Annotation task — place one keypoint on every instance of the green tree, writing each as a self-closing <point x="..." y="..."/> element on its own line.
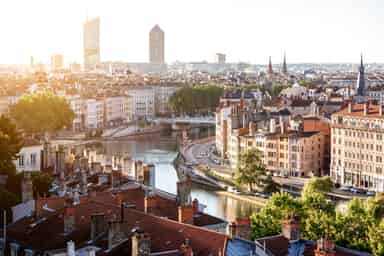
<point x="196" y="99"/>
<point x="10" y="145"/>
<point x="351" y="228"/>
<point x="268" y="220"/>
<point x="270" y="186"/>
<point x="42" y="112"/>
<point x="376" y="239"/>
<point x="41" y="183"/>
<point x="7" y="199"/>
<point x="316" y="184"/>
<point x="250" y="169"/>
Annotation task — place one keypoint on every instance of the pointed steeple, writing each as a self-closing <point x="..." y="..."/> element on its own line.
<point x="270" y="70"/>
<point x="360" y="85"/>
<point x="284" y="69"/>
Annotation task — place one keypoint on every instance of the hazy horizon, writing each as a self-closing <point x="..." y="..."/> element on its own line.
<point x="245" y="30"/>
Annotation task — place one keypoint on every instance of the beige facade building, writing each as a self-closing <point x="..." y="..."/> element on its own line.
<point x="91" y="44"/>
<point x="288" y="152"/>
<point x="156" y="45"/>
<point x="57" y="62"/>
<point x="357" y="141"/>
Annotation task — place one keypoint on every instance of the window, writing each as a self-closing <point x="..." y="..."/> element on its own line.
<point x="379" y="159"/>
<point x="21" y="160"/>
<point x="33" y="159"/>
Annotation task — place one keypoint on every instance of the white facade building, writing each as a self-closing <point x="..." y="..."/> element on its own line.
<point x="162" y="95"/>
<point x="76" y="104"/>
<point x="94" y="114"/>
<point x="114" y="110"/>
<point x="29" y="158"/>
<point x="140" y="103"/>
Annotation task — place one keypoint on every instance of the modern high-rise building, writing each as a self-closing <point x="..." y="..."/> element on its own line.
<point x="220" y="58"/>
<point x="156" y="45"/>
<point x="91" y="44"/>
<point x="57" y="62"/>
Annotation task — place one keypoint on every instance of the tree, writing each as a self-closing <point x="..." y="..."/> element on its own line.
<point x="316" y="184"/>
<point x="376" y="239"/>
<point x="250" y="169"/>
<point x="7" y="199"/>
<point x="268" y="220"/>
<point x="41" y="183"/>
<point x="196" y="99"/>
<point x="10" y="145"/>
<point x="42" y="112"/>
<point x="270" y="186"/>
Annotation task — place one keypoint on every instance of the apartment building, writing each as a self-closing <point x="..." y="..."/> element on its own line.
<point x="283" y="151"/>
<point x="357" y="146"/>
<point x="94" y="113"/>
<point x="76" y="104"/>
<point x="114" y="111"/>
<point x="140" y="103"/>
<point x="6" y="102"/>
<point x="162" y="95"/>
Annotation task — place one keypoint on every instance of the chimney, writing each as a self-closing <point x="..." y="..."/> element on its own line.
<point x="184" y="191"/>
<point x="149" y="203"/>
<point x="243" y="228"/>
<point x="195" y="205"/>
<point x="115" y="178"/>
<point x="98" y="225"/>
<point x="149" y="175"/>
<point x="231" y="230"/>
<point x="71" y="248"/>
<point x="91" y="251"/>
<point x="118" y="199"/>
<point x="350" y="107"/>
<point x="185" y="214"/>
<point x="83" y="183"/>
<point x="272" y="125"/>
<point x="366" y="108"/>
<point x="26" y="188"/>
<point x="115" y="235"/>
<point x="251" y="129"/>
<point x="69" y="219"/>
<point x="291" y="228"/>
<point x="141" y="244"/>
<point x="325" y="247"/>
<point x="186" y="249"/>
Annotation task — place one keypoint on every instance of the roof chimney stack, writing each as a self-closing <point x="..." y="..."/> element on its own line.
<point x="69" y="219"/>
<point x="71" y="248"/>
<point x="98" y="225"/>
<point x="141" y="244"/>
<point x="291" y="228"/>
<point x="366" y="108"/>
<point x="349" y="107"/>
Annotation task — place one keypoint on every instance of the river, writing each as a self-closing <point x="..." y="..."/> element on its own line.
<point x="161" y="149"/>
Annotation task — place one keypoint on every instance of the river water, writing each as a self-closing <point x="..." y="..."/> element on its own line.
<point x="161" y="149"/>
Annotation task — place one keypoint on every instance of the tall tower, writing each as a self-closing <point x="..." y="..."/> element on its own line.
<point x="360" y="85"/>
<point x="284" y="69"/>
<point x="270" y="70"/>
<point x="156" y="45"/>
<point x="91" y="32"/>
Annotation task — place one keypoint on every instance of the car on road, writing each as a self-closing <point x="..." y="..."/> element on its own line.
<point x="371" y="193"/>
<point x="217" y="162"/>
<point x="357" y="190"/>
<point x="346" y="188"/>
<point x="233" y="190"/>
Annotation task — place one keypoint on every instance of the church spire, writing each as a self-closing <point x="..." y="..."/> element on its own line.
<point x="360" y="85"/>
<point x="270" y="70"/>
<point x="285" y="69"/>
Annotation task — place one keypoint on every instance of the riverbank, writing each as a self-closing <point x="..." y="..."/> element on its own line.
<point x="250" y="199"/>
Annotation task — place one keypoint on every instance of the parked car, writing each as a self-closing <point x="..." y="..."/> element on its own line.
<point x="371" y="193"/>
<point x="346" y="188"/>
<point x="357" y="191"/>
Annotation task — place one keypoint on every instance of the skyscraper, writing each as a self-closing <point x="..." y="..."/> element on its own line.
<point x="284" y="69"/>
<point x="91" y="44"/>
<point x="57" y="62"/>
<point x="220" y="58"/>
<point x="360" y="85"/>
<point x="270" y="70"/>
<point x="156" y="45"/>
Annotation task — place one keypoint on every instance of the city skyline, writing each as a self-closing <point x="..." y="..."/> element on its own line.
<point x="243" y="30"/>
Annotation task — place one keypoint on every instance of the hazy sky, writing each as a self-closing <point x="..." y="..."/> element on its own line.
<point x="246" y="30"/>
